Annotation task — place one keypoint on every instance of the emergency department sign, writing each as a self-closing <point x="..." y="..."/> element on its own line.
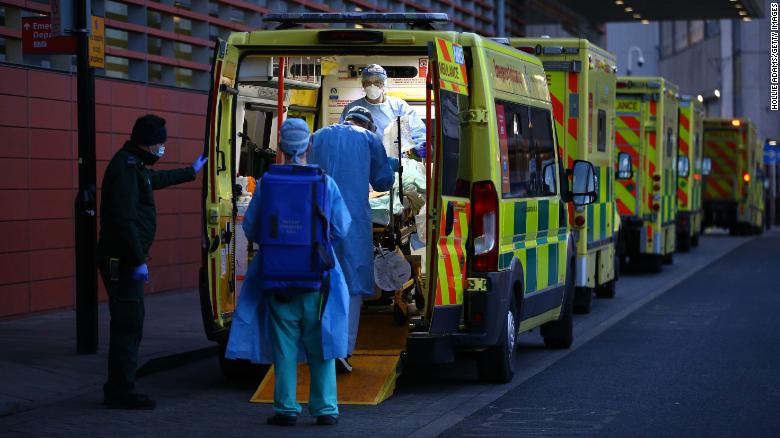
<point x="452" y="67"/>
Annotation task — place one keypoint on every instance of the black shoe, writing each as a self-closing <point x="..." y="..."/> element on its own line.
<point x="343" y="366"/>
<point x="327" y="420"/>
<point x="282" y="420"/>
<point x="131" y="401"/>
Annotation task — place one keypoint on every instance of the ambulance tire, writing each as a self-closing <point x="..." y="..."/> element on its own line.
<point x="496" y="364"/>
<point x="560" y="334"/>
<point x="668" y="259"/>
<point x="607" y="290"/>
<point x="240" y="370"/>
<point x="684" y="242"/>
<point x="653" y="263"/>
<point x="695" y="240"/>
<point x="583" y="299"/>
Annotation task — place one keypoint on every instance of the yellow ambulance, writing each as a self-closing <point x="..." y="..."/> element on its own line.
<point x="499" y="258"/>
<point x="646" y="139"/>
<point x="582" y="78"/>
<point x="689" y="163"/>
<point x="734" y="178"/>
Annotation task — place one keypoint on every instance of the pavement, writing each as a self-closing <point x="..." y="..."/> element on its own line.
<point x="58" y="392"/>
<point x="40" y="366"/>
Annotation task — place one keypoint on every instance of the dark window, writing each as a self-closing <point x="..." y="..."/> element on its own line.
<point x="450" y="127"/>
<point x="527" y="151"/>
<point x="601" y="138"/>
<point x="669" y="142"/>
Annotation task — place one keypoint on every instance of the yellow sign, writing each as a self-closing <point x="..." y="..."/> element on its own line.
<point x="452" y="67"/>
<point x="97" y="43"/>
<point x="627" y="106"/>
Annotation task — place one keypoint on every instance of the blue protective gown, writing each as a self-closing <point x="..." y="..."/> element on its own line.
<point x="251" y="331"/>
<point x="384" y="113"/>
<point x="354" y="157"/>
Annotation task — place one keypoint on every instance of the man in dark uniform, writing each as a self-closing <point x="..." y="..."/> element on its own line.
<point x="127" y="227"/>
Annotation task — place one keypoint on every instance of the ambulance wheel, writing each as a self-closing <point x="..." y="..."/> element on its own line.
<point x="607" y="290"/>
<point x="496" y="364"/>
<point x="684" y="242"/>
<point x="668" y="259"/>
<point x="560" y="334"/>
<point x="695" y="240"/>
<point x="653" y="263"/>
<point x="583" y="298"/>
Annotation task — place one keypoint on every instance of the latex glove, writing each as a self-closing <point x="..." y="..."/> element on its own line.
<point x="414" y="198"/>
<point x="141" y="273"/>
<point x="394" y="163"/>
<point x="199" y="163"/>
<point x="420" y="151"/>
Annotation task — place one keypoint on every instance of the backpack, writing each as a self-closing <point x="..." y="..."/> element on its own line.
<point x="295" y="246"/>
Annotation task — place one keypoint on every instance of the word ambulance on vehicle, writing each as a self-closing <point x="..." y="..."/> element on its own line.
<point x="582" y="79"/>
<point x="498" y="257"/>
<point x="734" y="177"/>
<point x="646" y="138"/>
<point x="689" y="173"/>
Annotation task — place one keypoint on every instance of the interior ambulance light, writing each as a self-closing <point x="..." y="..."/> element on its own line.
<point x="700" y="98"/>
<point x="746" y="177"/>
<point x="736" y="123"/>
<point x="772" y="142"/>
<point x="717" y="93"/>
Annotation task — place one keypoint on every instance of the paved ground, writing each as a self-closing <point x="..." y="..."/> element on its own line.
<point x="450" y="400"/>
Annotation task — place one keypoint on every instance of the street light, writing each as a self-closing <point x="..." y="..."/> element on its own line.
<point x="640" y="60"/>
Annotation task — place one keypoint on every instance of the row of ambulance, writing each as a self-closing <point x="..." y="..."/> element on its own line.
<point x="546" y="172"/>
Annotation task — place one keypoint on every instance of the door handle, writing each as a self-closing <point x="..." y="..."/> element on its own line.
<point x="222" y="165"/>
<point x="449" y="220"/>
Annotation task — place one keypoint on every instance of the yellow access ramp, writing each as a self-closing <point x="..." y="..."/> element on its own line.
<point x="375" y="364"/>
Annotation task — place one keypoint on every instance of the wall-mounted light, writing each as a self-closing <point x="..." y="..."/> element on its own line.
<point x="717" y="93"/>
<point x="700" y="98"/>
<point x="629" y="9"/>
<point x="618" y="2"/>
<point x="645" y="21"/>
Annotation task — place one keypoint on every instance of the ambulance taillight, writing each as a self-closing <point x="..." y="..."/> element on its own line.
<point x="484" y="222"/>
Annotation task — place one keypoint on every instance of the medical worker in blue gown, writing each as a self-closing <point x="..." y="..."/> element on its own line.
<point x="269" y="329"/>
<point x="354" y="157"/>
<point x="384" y="109"/>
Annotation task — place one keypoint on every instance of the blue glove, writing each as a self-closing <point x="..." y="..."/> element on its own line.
<point x="199" y="163"/>
<point x="394" y="163"/>
<point x="141" y="273"/>
<point x="420" y="151"/>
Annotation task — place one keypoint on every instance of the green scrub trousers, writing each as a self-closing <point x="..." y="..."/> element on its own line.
<point x="295" y="319"/>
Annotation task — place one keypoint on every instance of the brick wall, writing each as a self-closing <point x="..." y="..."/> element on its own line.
<point x="39" y="179"/>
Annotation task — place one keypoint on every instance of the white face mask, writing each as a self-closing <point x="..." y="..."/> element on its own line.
<point x="160" y="151"/>
<point x="373" y="92"/>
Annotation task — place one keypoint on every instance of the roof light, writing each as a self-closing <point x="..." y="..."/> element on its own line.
<point x="717" y="93"/>
<point x="629" y="9"/>
<point x="747" y="19"/>
<point x="738" y="5"/>
<point x="645" y="21"/>
<point x="742" y="13"/>
<point x="637" y="16"/>
<point x="700" y="98"/>
<point x="620" y="2"/>
<point x="736" y="123"/>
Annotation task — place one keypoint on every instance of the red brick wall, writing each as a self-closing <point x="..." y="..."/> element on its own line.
<point x="39" y="178"/>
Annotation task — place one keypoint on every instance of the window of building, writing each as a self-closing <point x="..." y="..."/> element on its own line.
<point x="695" y="31"/>
<point x="184" y="77"/>
<point x="153" y="19"/>
<point x="182" y="26"/>
<point x="680" y="35"/>
<point x="667" y="39"/>
<point x="116" y="38"/>
<point x="711" y="28"/>
<point x="236" y="15"/>
<point x="2" y="50"/>
<point x="154" y="45"/>
<point x="116" y="11"/>
<point x="2" y="16"/>
<point x="184" y="51"/>
<point x="117" y="67"/>
<point x="155" y="73"/>
<point x="214" y="9"/>
<point x="183" y="4"/>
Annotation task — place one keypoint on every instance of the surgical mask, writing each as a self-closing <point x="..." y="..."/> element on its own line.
<point x="373" y="92"/>
<point x="160" y="151"/>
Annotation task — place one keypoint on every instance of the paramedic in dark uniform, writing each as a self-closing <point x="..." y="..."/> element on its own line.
<point x="127" y="227"/>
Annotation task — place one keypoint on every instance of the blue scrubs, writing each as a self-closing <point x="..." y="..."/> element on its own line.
<point x="354" y="157"/>
<point x="266" y="330"/>
<point x="384" y="113"/>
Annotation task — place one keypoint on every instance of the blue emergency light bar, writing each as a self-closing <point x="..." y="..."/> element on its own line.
<point x="413" y="19"/>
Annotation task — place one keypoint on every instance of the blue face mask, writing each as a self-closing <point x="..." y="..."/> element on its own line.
<point x="160" y="151"/>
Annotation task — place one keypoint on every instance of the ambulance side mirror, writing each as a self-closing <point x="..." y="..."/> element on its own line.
<point x="584" y="183"/>
<point x="706" y="166"/>
<point x="683" y="166"/>
<point x="625" y="166"/>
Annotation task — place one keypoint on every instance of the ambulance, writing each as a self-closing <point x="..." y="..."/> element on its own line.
<point x="689" y="175"/>
<point x="582" y="78"/>
<point x="733" y="176"/>
<point x="646" y="139"/>
<point x="499" y="256"/>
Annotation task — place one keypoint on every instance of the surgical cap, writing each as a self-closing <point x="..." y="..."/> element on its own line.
<point x="294" y="137"/>
<point x="374" y="71"/>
